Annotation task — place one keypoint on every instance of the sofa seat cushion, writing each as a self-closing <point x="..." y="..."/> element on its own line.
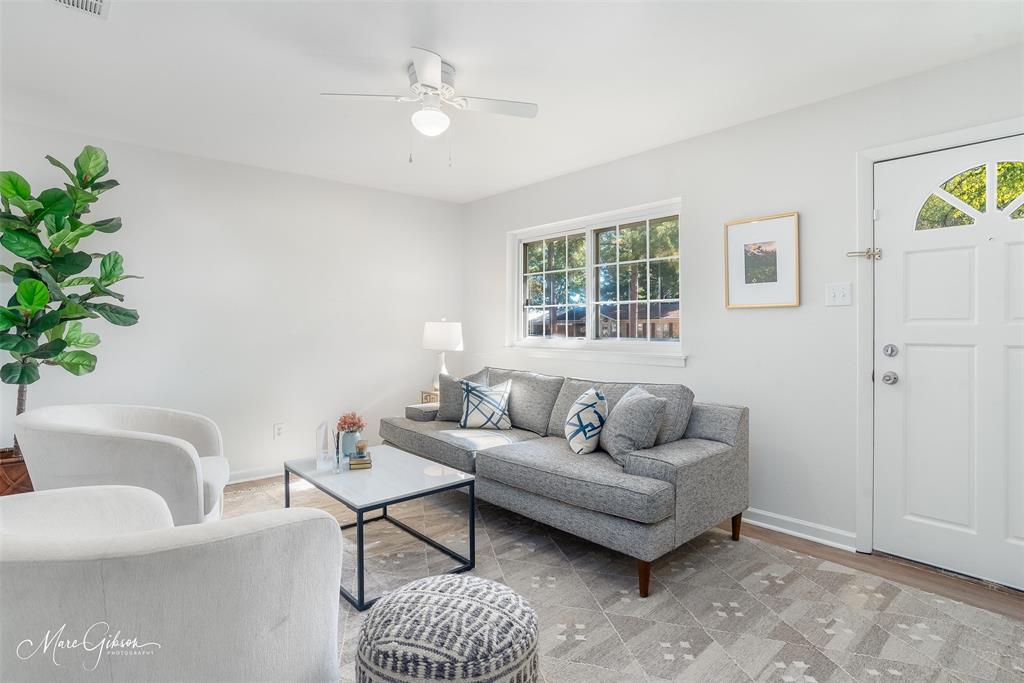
<point x="445" y="442"/>
<point x="593" y="480"/>
<point x="677" y="412"/>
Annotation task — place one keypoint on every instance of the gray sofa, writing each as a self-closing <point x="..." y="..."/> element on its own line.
<point x="657" y="500"/>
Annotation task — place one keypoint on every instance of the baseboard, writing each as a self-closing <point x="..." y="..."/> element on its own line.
<point x="255" y="473"/>
<point x="819" y="533"/>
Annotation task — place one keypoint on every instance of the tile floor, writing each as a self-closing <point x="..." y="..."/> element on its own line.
<point x="717" y="611"/>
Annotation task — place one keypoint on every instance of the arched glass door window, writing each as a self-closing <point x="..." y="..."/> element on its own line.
<point x="961" y="200"/>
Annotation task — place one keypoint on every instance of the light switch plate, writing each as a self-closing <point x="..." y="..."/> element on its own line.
<point x="839" y="294"/>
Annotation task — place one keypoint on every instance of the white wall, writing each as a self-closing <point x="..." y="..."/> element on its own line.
<point x="267" y="297"/>
<point x="277" y="298"/>
<point x="794" y="368"/>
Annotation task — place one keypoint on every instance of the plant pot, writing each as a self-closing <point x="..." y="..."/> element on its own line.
<point x="13" y="473"/>
<point x="348" y="443"/>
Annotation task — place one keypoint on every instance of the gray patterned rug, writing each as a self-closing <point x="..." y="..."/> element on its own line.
<point x="717" y="611"/>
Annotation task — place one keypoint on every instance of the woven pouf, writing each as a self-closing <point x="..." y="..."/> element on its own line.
<point x="449" y="628"/>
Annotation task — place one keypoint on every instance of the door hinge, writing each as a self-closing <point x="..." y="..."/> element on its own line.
<point x="874" y="215"/>
<point x="871" y="254"/>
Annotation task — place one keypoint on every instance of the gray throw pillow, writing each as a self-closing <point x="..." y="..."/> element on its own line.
<point x="450" y="394"/>
<point x="633" y="424"/>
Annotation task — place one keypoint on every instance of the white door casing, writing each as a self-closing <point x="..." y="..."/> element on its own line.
<point x="949" y="434"/>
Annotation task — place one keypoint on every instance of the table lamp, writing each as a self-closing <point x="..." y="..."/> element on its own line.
<point x="442" y="336"/>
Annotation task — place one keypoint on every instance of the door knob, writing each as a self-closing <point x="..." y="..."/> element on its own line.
<point x="890" y="378"/>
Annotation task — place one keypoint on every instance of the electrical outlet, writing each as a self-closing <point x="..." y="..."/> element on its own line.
<point x="838" y="294"/>
<point x="278" y="430"/>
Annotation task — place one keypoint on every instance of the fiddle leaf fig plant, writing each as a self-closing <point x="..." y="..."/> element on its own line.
<point x="42" y="324"/>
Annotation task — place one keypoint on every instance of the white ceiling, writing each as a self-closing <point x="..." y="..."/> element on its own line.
<point x="238" y="81"/>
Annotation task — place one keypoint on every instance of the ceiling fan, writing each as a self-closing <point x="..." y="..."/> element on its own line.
<point x="432" y="84"/>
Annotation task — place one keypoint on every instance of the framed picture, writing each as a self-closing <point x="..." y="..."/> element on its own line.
<point x="762" y="261"/>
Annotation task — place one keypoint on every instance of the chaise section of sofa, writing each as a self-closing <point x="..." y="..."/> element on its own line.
<point x="592" y="481"/>
<point x="445" y="442"/>
<point x="694" y="477"/>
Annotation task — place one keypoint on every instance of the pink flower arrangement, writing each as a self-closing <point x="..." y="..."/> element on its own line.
<point x="351" y="422"/>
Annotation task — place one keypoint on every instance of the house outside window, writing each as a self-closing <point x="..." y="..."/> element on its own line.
<point x="608" y="281"/>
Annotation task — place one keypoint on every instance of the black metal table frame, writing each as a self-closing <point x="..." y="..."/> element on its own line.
<point x="359" y="599"/>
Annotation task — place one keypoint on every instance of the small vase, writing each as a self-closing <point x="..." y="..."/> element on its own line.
<point x="348" y="443"/>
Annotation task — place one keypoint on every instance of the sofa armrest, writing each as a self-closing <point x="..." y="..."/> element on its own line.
<point x="719" y="422"/>
<point x="710" y="479"/>
<point x="422" y="412"/>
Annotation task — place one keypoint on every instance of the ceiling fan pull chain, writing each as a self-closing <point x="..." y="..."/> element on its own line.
<point x="451" y="134"/>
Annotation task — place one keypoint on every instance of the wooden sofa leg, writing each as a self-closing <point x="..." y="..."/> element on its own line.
<point x="643" y="570"/>
<point x="737" y="520"/>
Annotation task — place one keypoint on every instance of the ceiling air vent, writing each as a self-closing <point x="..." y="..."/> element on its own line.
<point x="97" y="8"/>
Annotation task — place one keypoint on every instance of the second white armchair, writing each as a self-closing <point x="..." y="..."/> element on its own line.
<point x="252" y="598"/>
<point x="175" y="453"/>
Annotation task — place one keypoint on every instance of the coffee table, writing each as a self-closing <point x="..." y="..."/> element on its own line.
<point x="396" y="476"/>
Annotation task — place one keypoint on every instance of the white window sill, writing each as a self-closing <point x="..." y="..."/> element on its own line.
<point x="669" y="355"/>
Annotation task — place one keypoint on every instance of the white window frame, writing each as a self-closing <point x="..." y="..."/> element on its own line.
<point x="633" y="351"/>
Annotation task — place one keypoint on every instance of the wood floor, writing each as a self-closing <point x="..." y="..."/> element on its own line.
<point x="999" y="599"/>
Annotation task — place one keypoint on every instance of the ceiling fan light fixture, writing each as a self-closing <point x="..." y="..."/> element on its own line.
<point x="430" y="121"/>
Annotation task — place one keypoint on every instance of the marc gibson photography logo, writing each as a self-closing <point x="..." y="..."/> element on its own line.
<point x="97" y="641"/>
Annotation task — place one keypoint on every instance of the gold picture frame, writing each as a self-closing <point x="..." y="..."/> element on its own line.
<point x="765" y="250"/>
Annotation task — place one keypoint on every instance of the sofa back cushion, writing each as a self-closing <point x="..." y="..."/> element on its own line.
<point x="533" y="397"/>
<point x="677" y="412"/>
<point x="450" y="394"/>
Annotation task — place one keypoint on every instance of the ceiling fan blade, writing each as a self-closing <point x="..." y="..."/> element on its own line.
<point x="360" y="96"/>
<point x="428" y="67"/>
<point x="526" y="110"/>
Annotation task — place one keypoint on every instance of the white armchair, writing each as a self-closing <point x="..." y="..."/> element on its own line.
<point x="177" y="454"/>
<point x="252" y="598"/>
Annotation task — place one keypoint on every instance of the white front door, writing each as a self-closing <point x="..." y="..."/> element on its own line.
<point x="949" y="359"/>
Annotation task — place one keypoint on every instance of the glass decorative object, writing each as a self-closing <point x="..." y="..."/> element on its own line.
<point x="322" y="448"/>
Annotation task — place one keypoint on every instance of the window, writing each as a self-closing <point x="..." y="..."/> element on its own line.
<point x="617" y="280"/>
<point x="555" y="287"/>
<point x="970" y="188"/>
<point x="637" y="276"/>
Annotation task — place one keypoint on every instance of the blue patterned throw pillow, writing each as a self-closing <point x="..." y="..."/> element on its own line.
<point x="485" y="407"/>
<point x="586" y="418"/>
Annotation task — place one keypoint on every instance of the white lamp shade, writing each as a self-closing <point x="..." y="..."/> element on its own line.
<point x="430" y="121"/>
<point x="442" y="336"/>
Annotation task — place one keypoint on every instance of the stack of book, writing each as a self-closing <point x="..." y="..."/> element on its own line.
<point x="364" y="462"/>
